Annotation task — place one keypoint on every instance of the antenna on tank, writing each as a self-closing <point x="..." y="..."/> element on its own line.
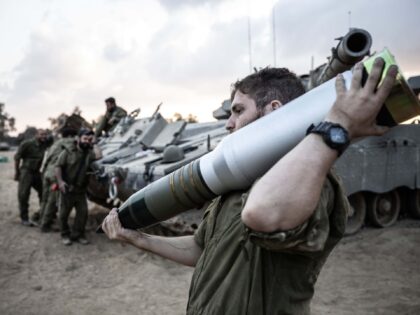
<point x="312" y="63"/>
<point x="249" y="44"/>
<point x="349" y="13"/>
<point x="274" y="36"/>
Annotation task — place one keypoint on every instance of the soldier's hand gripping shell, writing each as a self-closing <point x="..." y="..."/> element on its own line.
<point x="356" y="109"/>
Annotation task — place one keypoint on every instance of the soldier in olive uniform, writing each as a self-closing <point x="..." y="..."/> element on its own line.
<point x="28" y="160"/>
<point x="49" y="182"/>
<point x="111" y="118"/>
<point x="72" y="176"/>
<point x="260" y="251"/>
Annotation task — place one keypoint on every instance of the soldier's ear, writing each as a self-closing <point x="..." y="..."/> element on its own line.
<point x="276" y="104"/>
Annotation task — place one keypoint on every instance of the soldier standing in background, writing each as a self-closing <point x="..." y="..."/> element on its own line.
<point x="28" y="159"/>
<point x="111" y="118"/>
<point x="49" y="182"/>
<point x="71" y="172"/>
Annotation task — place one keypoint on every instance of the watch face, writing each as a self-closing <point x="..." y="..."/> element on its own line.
<point x="338" y="135"/>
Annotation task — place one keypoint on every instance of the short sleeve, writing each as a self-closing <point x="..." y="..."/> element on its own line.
<point x="120" y="113"/>
<point x="21" y="151"/>
<point x="200" y="234"/>
<point x="310" y="236"/>
<point x="52" y="152"/>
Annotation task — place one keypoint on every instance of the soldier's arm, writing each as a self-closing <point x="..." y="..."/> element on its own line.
<point x="59" y="173"/>
<point x="18" y="156"/>
<point x="96" y="149"/>
<point x="117" y="115"/>
<point x="17" y="171"/>
<point x="100" y="126"/>
<point x="50" y="152"/>
<point x="183" y="249"/>
<point x="120" y="113"/>
<point x="61" y="183"/>
<point x="287" y="195"/>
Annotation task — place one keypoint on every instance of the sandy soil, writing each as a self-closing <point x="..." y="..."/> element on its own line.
<point x="374" y="272"/>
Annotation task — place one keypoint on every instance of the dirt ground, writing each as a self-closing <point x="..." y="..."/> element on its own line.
<point x="376" y="271"/>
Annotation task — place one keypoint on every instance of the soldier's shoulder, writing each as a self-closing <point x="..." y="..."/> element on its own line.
<point x="27" y="142"/>
<point x="64" y="152"/>
<point x="55" y="145"/>
<point x="68" y="143"/>
<point x="59" y="145"/>
<point x="121" y="109"/>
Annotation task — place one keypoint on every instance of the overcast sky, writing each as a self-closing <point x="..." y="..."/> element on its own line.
<point x="59" y="54"/>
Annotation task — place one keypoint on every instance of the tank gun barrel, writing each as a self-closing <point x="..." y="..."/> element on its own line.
<point x="351" y="48"/>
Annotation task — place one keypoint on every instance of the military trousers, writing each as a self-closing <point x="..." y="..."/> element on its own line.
<point x="67" y="202"/>
<point x="45" y="194"/>
<point x="49" y="204"/>
<point x="28" y="179"/>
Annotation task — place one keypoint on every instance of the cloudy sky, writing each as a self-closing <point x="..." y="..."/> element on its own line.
<point x="186" y="53"/>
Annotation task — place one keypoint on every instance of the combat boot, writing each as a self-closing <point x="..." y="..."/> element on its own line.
<point x="82" y="240"/>
<point x="36" y="217"/>
<point x="66" y="241"/>
<point x="27" y="223"/>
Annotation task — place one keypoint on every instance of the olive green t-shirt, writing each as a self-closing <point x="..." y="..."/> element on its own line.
<point x="110" y="120"/>
<point x="75" y="164"/>
<point x="53" y="154"/>
<point x="242" y="271"/>
<point x="31" y="152"/>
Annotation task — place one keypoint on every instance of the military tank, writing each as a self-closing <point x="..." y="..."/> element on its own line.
<point x="142" y="150"/>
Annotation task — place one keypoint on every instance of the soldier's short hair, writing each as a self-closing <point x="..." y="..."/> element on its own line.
<point x="110" y="100"/>
<point x="86" y="132"/>
<point x="270" y="84"/>
<point x="68" y="132"/>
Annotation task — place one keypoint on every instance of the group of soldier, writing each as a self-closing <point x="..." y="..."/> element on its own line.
<point x="59" y="173"/>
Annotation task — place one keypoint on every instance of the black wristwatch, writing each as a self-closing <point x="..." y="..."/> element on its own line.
<point x="334" y="135"/>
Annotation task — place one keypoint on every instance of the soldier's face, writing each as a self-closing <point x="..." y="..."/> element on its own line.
<point x="109" y="106"/>
<point x="84" y="142"/>
<point x="244" y="111"/>
<point x="41" y="135"/>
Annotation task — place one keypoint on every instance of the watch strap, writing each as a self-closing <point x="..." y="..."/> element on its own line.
<point x="323" y="129"/>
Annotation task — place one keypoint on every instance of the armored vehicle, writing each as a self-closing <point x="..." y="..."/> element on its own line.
<point x="142" y="150"/>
